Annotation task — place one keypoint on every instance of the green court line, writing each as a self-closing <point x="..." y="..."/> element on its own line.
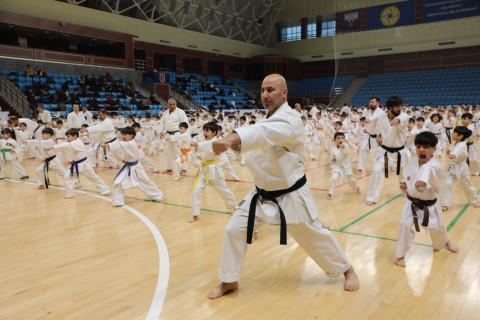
<point x="369" y="213"/>
<point x="377" y="237"/>
<point x="459" y="215"/>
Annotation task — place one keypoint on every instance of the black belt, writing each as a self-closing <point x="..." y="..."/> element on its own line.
<point x="45" y="170"/>
<point x="194" y="135"/>
<point x="420" y="205"/>
<point x="271" y="195"/>
<point x="105" y="149"/>
<point x="374" y="136"/>
<point x="449" y="135"/>
<point x="171" y="132"/>
<point x="399" y="159"/>
<point x="468" y="151"/>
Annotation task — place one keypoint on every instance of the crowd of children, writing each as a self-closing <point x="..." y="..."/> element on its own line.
<point x="394" y="132"/>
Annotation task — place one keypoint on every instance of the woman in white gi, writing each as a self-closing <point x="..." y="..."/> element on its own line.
<point x="8" y="148"/>
<point x="131" y="174"/>
<point x="458" y="169"/>
<point x="421" y="182"/>
<point x="275" y="149"/>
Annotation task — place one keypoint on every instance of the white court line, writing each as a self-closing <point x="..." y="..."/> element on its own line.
<point x="163" y="264"/>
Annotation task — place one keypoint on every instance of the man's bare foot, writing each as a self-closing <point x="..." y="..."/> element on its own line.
<point x="194" y="218"/>
<point x="351" y="280"/>
<point x="476" y="205"/>
<point x="358" y="190"/>
<point x="68" y="197"/>
<point x="444" y="209"/>
<point x="451" y="246"/>
<point x="222" y="289"/>
<point x="329" y="197"/>
<point x="40" y="187"/>
<point x="78" y="186"/>
<point x="369" y="203"/>
<point x="400" y="262"/>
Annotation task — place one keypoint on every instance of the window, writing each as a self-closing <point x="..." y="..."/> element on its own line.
<point x="311" y="30"/>
<point x="328" y="28"/>
<point x="290" y="34"/>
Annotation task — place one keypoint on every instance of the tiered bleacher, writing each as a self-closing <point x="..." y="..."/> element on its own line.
<point x="322" y="86"/>
<point x="212" y="91"/>
<point x="441" y="87"/>
<point x="58" y="92"/>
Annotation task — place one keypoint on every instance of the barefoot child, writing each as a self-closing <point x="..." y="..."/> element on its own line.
<point x="8" y="148"/>
<point x="458" y="169"/>
<point x="341" y="165"/>
<point x="421" y="182"/>
<point x="80" y="163"/>
<point x="209" y="172"/>
<point x="50" y="160"/>
<point x="132" y="174"/>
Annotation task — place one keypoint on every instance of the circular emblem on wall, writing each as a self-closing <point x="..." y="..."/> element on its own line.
<point x="390" y="16"/>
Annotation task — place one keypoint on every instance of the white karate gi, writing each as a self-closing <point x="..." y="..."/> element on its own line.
<point x="104" y="132"/>
<point x="341" y="167"/>
<point x="78" y="152"/>
<point x="6" y="156"/>
<point x="182" y="152"/>
<point x="458" y="171"/>
<point x="430" y="174"/>
<point x="55" y="164"/>
<point x="370" y="143"/>
<point x="144" y="160"/>
<point x="131" y="176"/>
<point x="473" y="160"/>
<point x="274" y="149"/>
<point x="392" y="137"/>
<point x="210" y="173"/>
<point x="309" y="141"/>
<point x="169" y="123"/>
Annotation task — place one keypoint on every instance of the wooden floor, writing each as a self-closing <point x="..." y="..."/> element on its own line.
<point x="83" y="259"/>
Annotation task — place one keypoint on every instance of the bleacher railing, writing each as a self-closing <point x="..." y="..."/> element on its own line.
<point x="14" y="97"/>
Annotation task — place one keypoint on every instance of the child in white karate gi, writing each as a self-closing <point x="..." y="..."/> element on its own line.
<point x="341" y="165"/>
<point x="209" y="172"/>
<point x="80" y="163"/>
<point x="8" y="148"/>
<point x="458" y="170"/>
<point x="139" y="139"/>
<point x="421" y="183"/>
<point x="472" y="159"/>
<point x="50" y="160"/>
<point x="131" y="174"/>
<point x="182" y="140"/>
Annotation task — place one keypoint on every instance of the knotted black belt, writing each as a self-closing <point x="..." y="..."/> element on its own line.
<point x="468" y="152"/>
<point x="105" y="149"/>
<point x="449" y="135"/>
<point x="172" y="132"/>
<point x="420" y="205"/>
<point x="374" y="136"/>
<point x="271" y="196"/>
<point x="45" y="170"/>
<point x="399" y="158"/>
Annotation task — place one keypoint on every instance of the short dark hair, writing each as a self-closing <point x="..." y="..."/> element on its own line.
<point x="136" y="125"/>
<point x="394" y="101"/>
<point x="411" y="120"/>
<point x="437" y="115"/>
<point x="339" y="133"/>
<point x="211" y="126"/>
<point x="339" y="123"/>
<point x="183" y="125"/>
<point x="426" y="138"/>
<point x="464" y="131"/>
<point x="421" y="119"/>
<point x="363" y="118"/>
<point x="84" y="125"/>
<point x="59" y="122"/>
<point x="72" y="132"/>
<point x="129" y="130"/>
<point x="467" y="115"/>
<point x="103" y="111"/>
<point x="48" y="131"/>
<point x="376" y="98"/>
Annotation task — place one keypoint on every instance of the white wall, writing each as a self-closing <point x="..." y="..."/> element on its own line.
<point x="424" y="37"/>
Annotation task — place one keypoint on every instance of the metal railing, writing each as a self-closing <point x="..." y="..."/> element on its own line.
<point x="14" y="97"/>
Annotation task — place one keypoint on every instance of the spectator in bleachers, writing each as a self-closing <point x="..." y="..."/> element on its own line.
<point x="38" y="72"/>
<point x="29" y="71"/>
<point x="44" y="115"/>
